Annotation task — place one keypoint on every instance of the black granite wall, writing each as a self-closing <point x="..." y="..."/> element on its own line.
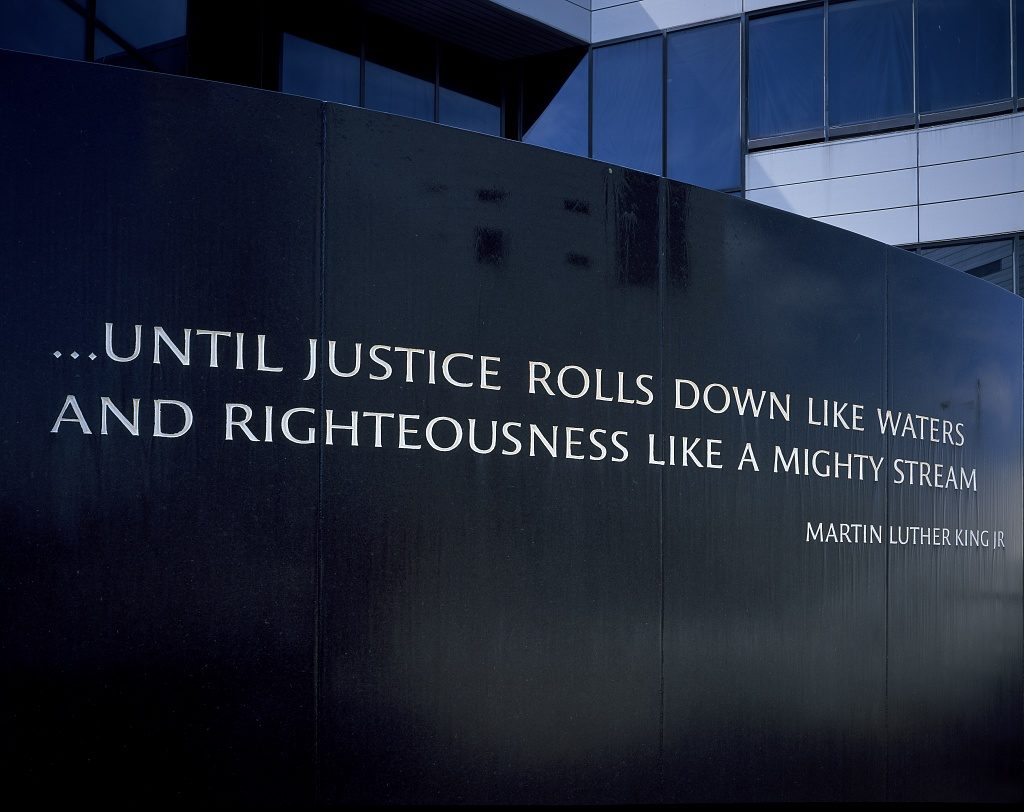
<point x="309" y="611"/>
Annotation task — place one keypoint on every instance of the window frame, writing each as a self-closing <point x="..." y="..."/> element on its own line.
<point x="1015" y="238"/>
<point x="970" y="111"/>
<point x="886" y="123"/>
<point x="796" y="137"/>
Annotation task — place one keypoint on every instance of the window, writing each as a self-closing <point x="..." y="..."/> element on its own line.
<point x="963" y="53"/>
<point x="704" y="106"/>
<point x="42" y="27"/>
<point x="785" y="75"/>
<point x="400" y="72"/>
<point x="556" y="102"/>
<point x="991" y="261"/>
<point x="627" y="104"/>
<point x="405" y="73"/>
<point x="142" y="24"/>
<point x="137" y="34"/>
<point x="1020" y="264"/>
<point x="1018" y="14"/>
<point x="470" y="92"/>
<point x="870" y="61"/>
<point x="308" y="69"/>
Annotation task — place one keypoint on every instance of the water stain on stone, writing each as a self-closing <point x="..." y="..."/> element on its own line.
<point x="490" y="246"/>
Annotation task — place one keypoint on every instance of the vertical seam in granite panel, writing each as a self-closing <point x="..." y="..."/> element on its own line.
<point x="319" y="558"/>
<point x="886" y="404"/>
<point x="663" y="200"/>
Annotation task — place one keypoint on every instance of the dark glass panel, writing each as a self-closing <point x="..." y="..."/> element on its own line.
<point x="991" y="261"/>
<point x="963" y="53"/>
<point x="399" y="71"/>
<point x="1020" y="265"/>
<point x="310" y="69"/>
<point x="1018" y="14"/>
<point x="141" y="24"/>
<point x="785" y="73"/>
<point x="114" y="54"/>
<point x="870" y="60"/>
<point x="704" y="105"/>
<point x="167" y="57"/>
<point x="556" y="102"/>
<point x="42" y="27"/>
<point x="470" y="91"/>
<point x="627" y="104"/>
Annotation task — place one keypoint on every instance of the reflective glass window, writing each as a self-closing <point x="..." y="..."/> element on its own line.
<point x="627" y="104"/>
<point x="141" y="24"/>
<point x="786" y="73"/>
<point x="42" y="27"/>
<point x="704" y="105"/>
<point x="991" y="261"/>
<point x="469" y="94"/>
<point x="114" y="53"/>
<point x="309" y="69"/>
<point x="1018" y="14"/>
<point x="1020" y="266"/>
<point x="556" y="102"/>
<point x="166" y="57"/>
<point x="400" y="72"/>
<point x="963" y="53"/>
<point x="870" y="60"/>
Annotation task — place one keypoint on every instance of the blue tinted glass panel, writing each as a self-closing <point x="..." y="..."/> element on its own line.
<point x="141" y="24"/>
<point x="114" y="55"/>
<point x="42" y="27"/>
<point x="469" y="95"/>
<point x="399" y="71"/>
<point x="627" y="104"/>
<point x="991" y="261"/>
<point x="1019" y="281"/>
<point x="870" y="60"/>
<point x="308" y="69"/>
<point x="963" y="53"/>
<point x="393" y="91"/>
<point x="1019" y="58"/>
<point x="704" y="106"/>
<point x="469" y="112"/>
<point x="555" y="113"/>
<point x="786" y="73"/>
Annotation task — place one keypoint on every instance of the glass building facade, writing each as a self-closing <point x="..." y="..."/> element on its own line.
<point x="692" y="102"/>
<point x="999" y="261"/>
<point x="147" y="35"/>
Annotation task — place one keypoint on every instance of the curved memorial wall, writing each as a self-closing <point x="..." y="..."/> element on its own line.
<point x="351" y="458"/>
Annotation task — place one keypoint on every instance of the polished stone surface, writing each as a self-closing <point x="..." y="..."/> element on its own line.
<point x="257" y="621"/>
